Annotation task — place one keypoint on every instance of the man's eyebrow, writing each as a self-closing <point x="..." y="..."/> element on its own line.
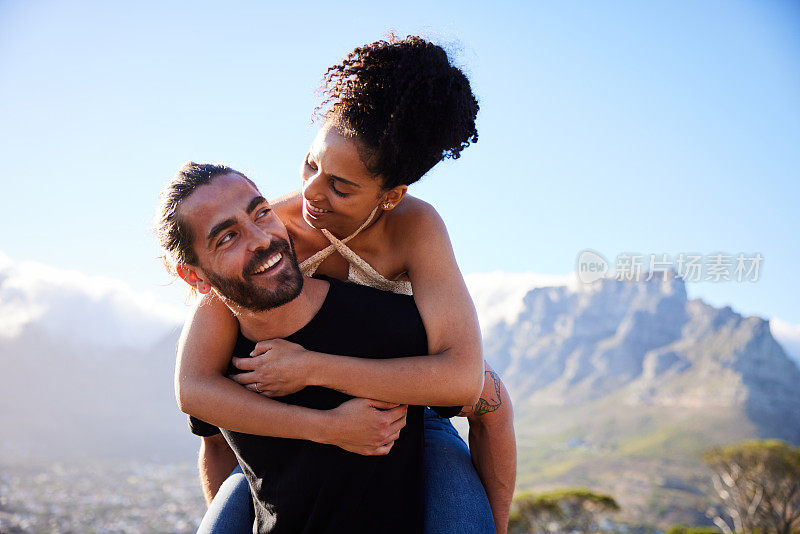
<point x="220" y="226"/>
<point x="348" y="182"/>
<point x="255" y="203"/>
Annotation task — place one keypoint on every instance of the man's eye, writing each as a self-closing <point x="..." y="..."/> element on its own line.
<point x="224" y="239"/>
<point x="263" y="213"/>
<point x="310" y="163"/>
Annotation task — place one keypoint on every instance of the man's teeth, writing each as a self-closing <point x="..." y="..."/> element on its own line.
<point x="270" y="262"/>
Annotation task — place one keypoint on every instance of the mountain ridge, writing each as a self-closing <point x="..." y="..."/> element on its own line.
<point x="622" y="385"/>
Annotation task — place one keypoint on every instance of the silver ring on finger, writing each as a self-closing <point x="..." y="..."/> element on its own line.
<point x="257" y="387"/>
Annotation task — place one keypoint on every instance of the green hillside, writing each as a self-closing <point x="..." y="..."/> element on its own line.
<point x="648" y="458"/>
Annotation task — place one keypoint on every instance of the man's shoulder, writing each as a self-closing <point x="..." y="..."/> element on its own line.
<point x="360" y="321"/>
<point x="355" y="304"/>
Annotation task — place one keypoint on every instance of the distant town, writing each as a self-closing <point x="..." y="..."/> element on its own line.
<point x="99" y="498"/>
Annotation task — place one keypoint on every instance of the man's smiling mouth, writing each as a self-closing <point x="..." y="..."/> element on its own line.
<point x="269" y="263"/>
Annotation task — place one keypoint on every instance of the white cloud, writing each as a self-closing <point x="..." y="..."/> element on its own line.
<point x="101" y="311"/>
<point x="498" y="296"/>
<point x="107" y="312"/>
<point x="788" y="335"/>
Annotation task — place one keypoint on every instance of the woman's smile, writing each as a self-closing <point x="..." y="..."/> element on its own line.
<point x="313" y="210"/>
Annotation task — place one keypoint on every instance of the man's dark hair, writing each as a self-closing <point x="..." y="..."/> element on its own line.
<point x="173" y="233"/>
<point x="406" y="104"/>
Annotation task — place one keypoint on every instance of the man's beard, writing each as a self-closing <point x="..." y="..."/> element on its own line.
<point x="245" y="294"/>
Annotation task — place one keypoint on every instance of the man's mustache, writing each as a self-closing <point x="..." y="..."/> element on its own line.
<point x="262" y="255"/>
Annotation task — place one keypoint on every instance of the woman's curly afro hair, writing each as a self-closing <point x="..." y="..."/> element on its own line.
<point x="407" y="106"/>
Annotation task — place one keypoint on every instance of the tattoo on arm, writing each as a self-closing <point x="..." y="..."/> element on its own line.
<point x="490" y="397"/>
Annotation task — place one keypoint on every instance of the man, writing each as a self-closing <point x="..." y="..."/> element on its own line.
<point x="304" y="478"/>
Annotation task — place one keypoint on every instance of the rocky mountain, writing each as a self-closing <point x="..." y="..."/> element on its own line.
<point x="622" y="385"/>
<point x="650" y="345"/>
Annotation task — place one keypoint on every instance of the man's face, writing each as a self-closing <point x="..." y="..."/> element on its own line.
<point x="244" y="250"/>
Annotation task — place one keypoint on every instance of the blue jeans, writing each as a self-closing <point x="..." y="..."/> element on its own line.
<point x="231" y="510"/>
<point x="455" y="501"/>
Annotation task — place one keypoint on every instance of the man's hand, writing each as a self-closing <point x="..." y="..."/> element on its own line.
<point x="365" y="426"/>
<point x="276" y="368"/>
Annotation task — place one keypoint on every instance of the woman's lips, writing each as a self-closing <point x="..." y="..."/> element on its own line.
<point x="314" y="211"/>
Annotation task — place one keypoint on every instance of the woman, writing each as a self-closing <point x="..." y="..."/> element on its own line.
<point x="392" y="110"/>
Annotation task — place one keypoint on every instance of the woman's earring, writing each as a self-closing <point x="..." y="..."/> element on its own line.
<point x="387" y="205"/>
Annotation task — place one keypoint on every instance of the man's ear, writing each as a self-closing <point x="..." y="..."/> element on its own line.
<point x="393" y="196"/>
<point x="193" y="277"/>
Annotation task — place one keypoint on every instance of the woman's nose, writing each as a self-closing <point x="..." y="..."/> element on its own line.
<point x="312" y="186"/>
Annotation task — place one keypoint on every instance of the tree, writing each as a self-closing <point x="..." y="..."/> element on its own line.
<point x="531" y="513"/>
<point x="758" y="485"/>
<point x="683" y="529"/>
<point x="568" y="510"/>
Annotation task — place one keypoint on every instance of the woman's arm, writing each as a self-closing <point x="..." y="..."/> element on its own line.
<point x="493" y="447"/>
<point x="452" y="375"/>
<point x="204" y="350"/>
<point x="205" y="346"/>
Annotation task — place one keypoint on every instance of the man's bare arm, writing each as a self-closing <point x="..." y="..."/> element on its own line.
<point x="215" y="463"/>
<point x="492" y="445"/>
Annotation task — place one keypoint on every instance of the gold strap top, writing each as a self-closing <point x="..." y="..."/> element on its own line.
<point x="360" y="272"/>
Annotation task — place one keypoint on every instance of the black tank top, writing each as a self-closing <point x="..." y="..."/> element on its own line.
<point x="303" y="486"/>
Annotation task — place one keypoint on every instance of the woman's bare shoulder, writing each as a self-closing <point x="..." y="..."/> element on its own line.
<point x="414" y="220"/>
<point x="413" y="209"/>
<point x="288" y="208"/>
<point x="414" y="213"/>
<point x="283" y="202"/>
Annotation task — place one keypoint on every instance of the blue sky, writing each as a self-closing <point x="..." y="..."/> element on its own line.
<point x="659" y="127"/>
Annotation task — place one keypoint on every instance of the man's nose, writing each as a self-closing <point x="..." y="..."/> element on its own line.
<point x="258" y="237"/>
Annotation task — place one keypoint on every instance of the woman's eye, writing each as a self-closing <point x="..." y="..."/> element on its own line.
<point x="336" y="191"/>
<point x="310" y="163"/>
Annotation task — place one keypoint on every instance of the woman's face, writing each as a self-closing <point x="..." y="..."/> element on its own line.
<point x="339" y="192"/>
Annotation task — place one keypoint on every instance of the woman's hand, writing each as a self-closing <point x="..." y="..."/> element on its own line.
<point x="365" y="426"/>
<point x="276" y="368"/>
